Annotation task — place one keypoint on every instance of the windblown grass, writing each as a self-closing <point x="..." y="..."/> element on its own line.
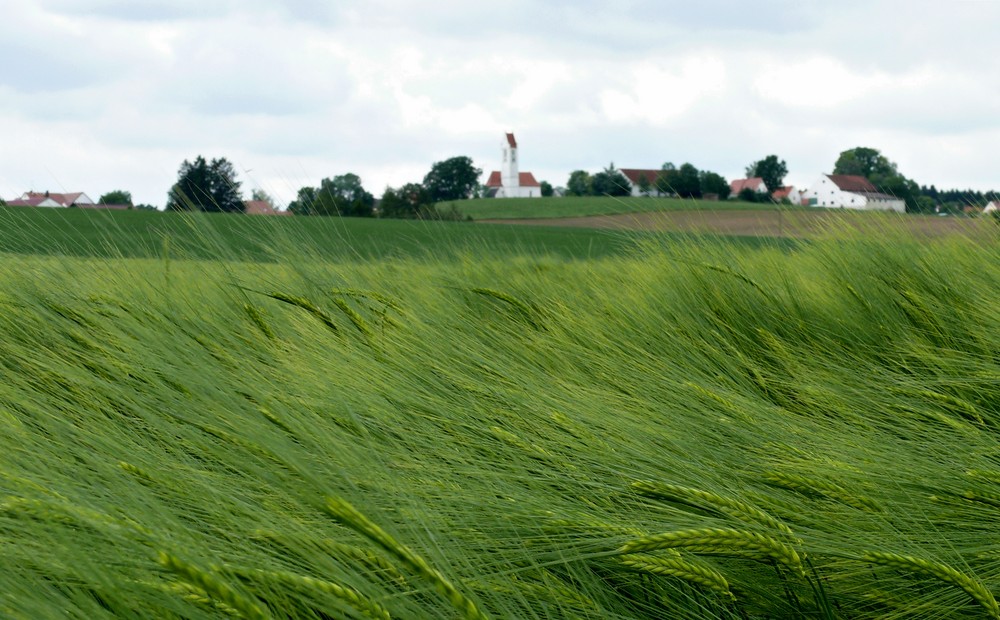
<point x="693" y="430"/>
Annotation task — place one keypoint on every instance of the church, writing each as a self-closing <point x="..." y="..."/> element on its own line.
<point x="508" y="182"/>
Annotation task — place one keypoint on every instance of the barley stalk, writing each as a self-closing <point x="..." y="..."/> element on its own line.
<point x="706" y="499"/>
<point x="349" y="516"/>
<point x="940" y="571"/>
<point x="802" y="484"/>
<point x="359" y="323"/>
<point x="214" y="587"/>
<point x="306" y="305"/>
<point x="681" y="568"/>
<point x="349" y="595"/>
<point x="719" y="541"/>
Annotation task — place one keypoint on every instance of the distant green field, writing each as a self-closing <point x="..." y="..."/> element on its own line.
<point x="143" y="234"/>
<point x="577" y="206"/>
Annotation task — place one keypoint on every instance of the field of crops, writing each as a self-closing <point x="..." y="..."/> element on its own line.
<point x="581" y="206"/>
<point x="689" y="429"/>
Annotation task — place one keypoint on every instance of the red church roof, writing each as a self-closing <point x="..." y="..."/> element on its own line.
<point x="511" y="141"/>
<point x="524" y="179"/>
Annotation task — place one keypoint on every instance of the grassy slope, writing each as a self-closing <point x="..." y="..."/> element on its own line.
<point x="173" y="439"/>
<point x="575" y="206"/>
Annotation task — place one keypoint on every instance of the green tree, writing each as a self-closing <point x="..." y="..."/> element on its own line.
<point x="342" y="195"/>
<point x="579" y="183"/>
<point x="610" y="182"/>
<point x="408" y="202"/>
<point x="206" y="186"/>
<point x="771" y="169"/>
<point x="145" y="207"/>
<point x="714" y="183"/>
<point x="865" y="162"/>
<point x="116" y="197"/>
<point x="687" y="183"/>
<point x="452" y="179"/>
<point x="261" y="195"/>
<point x="667" y="179"/>
<point x="749" y="195"/>
<point x="547" y="190"/>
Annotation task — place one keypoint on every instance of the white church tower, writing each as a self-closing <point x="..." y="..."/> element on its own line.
<point x="510" y="179"/>
<point x="509" y="182"/>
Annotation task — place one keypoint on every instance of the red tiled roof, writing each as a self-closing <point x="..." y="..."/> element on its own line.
<point x="737" y="186"/>
<point x="782" y="192"/>
<point x="35" y="198"/>
<point x="258" y="207"/>
<point x="525" y="179"/>
<point x="852" y="183"/>
<point x="634" y="174"/>
<point x="511" y="141"/>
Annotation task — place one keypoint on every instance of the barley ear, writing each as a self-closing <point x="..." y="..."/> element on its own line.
<point x="941" y="571"/>
<point x="214" y="587"/>
<point x="349" y="516"/>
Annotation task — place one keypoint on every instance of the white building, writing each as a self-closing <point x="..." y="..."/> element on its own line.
<point x="46" y="199"/>
<point x="635" y="178"/>
<point x="508" y="182"/>
<point x="992" y="207"/>
<point x="850" y="192"/>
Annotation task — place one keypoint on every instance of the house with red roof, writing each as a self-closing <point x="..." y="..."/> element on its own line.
<point x="261" y="207"/>
<point x="48" y="199"/>
<point x="638" y="178"/>
<point x="787" y="192"/>
<point x="754" y="184"/>
<point x="509" y="182"/>
<point x="850" y="191"/>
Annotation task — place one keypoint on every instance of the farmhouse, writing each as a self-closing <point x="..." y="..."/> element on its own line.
<point x="849" y="192"/>
<point x="508" y="182"/>
<point x="787" y="192"/>
<point x="754" y="184"/>
<point x="992" y="207"/>
<point x="47" y="199"/>
<point x="642" y="177"/>
<point x="261" y="207"/>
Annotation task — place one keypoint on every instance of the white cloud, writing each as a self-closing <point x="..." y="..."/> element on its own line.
<point x="115" y="93"/>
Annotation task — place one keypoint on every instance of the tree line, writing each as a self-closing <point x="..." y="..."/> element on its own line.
<point x="212" y="186"/>
<point x="686" y="181"/>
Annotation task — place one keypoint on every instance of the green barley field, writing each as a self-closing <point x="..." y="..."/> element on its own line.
<point x="219" y="424"/>
<point x="579" y="206"/>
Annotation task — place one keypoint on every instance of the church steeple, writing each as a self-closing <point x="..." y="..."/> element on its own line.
<point x="511" y="178"/>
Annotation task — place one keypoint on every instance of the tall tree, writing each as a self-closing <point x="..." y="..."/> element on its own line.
<point x="714" y="183"/>
<point x="452" y="179"/>
<point x="579" y="183"/>
<point x="667" y="179"/>
<point x="408" y="202"/>
<point x="687" y="183"/>
<point x="206" y="186"/>
<point x="865" y="162"/>
<point x="342" y="195"/>
<point x="261" y="195"/>
<point x="771" y="169"/>
<point x="116" y="197"/>
<point x="610" y="182"/>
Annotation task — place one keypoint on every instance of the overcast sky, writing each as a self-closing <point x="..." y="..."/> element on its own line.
<point x="98" y="95"/>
